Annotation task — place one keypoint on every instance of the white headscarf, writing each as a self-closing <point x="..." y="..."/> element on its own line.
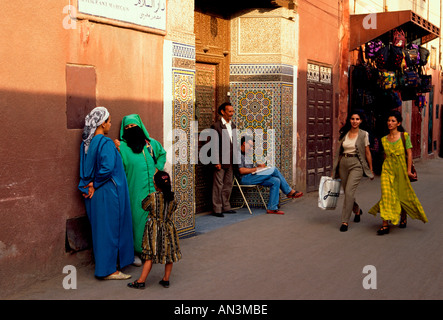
<point x="94" y="119"/>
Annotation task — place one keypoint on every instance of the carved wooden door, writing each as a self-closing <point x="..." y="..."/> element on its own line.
<point x="205" y="100"/>
<point x="319" y="125"/>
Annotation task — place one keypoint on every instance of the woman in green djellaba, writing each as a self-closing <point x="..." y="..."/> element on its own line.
<point x="398" y="199"/>
<point x="142" y="157"/>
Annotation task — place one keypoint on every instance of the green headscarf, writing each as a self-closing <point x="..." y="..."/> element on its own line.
<point x="133" y="119"/>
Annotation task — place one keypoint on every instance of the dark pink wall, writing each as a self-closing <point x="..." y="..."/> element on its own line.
<point x="39" y="154"/>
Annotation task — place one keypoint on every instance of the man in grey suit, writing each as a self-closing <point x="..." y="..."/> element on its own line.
<point x="224" y="160"/>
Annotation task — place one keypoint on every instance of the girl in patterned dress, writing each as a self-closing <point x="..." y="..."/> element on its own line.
<point x="397" y="196"/>
<point x="160" y="239"/>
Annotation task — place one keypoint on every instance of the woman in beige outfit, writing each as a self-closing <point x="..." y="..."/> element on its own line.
<point x="352" y="161"/>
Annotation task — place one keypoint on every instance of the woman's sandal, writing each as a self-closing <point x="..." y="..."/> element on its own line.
<point x="136" y="285"/>
<point x="383" y="230"/>
<point x="403" y="221"/>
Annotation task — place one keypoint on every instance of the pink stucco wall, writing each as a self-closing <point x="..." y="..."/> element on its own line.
<point x="39" y="155"/>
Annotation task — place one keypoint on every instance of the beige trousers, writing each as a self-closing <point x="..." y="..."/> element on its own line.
<point x="351" y="172"/>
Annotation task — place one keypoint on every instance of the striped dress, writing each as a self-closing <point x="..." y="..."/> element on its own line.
<point x="396" y="190"/>
<point x="160" y="239"/>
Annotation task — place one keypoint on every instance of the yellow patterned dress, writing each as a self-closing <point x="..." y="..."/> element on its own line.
<point x="160" y="239"/>
<point x="396" y="190"/>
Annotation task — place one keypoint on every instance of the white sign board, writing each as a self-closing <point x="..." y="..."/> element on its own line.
<point x="146" y="13"/>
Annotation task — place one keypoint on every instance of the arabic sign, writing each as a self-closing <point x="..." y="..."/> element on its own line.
<point x="146" y="13"/>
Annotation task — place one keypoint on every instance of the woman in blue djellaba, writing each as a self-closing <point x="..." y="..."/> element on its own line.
<point x="104" y="187"/>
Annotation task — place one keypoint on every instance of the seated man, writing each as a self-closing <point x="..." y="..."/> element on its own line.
<point x="269" y="177"/>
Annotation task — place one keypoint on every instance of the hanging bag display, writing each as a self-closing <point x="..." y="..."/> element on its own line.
<point x="387" y="80"/>
<point x="424" y="56"/>
<point x="412" y="80"/>
<point x="425" y="83"/>
<point x="399" y="39"/>
<point x="328" y="193"/>
<point x="400" y="79"/>
<point x="420" y="101"/>
<point x="372" y="48"/>
<point x="396" y="58"/>
<point x="413" y="53"/>
<point x="382" y="59"/>
<point x="407" y="57"/>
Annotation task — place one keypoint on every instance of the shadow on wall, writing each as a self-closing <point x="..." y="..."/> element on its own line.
<point x="39" y="199"/>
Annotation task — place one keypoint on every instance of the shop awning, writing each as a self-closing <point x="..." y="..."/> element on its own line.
<point x="414" y="26"/>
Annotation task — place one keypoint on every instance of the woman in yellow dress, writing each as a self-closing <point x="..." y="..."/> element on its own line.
<point x="397" y="196"/>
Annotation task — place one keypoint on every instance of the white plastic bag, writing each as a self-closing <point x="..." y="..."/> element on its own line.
<point x="328" y="193"/>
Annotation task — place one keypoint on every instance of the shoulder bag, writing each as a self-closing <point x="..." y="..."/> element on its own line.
<point x="406" y="158"/>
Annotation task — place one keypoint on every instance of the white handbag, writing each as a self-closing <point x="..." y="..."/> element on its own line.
<point x="328" y="193"/>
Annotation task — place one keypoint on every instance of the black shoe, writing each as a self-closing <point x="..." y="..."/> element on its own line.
<point x="220" y="215"/>
<point x="344" y="227"/>
<point x="383" y="230"/>
<point x="164" y="283"/>
<point x="136" y="285"/>
<point x="357" y="216"/>
<point x="230" y="211"/>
